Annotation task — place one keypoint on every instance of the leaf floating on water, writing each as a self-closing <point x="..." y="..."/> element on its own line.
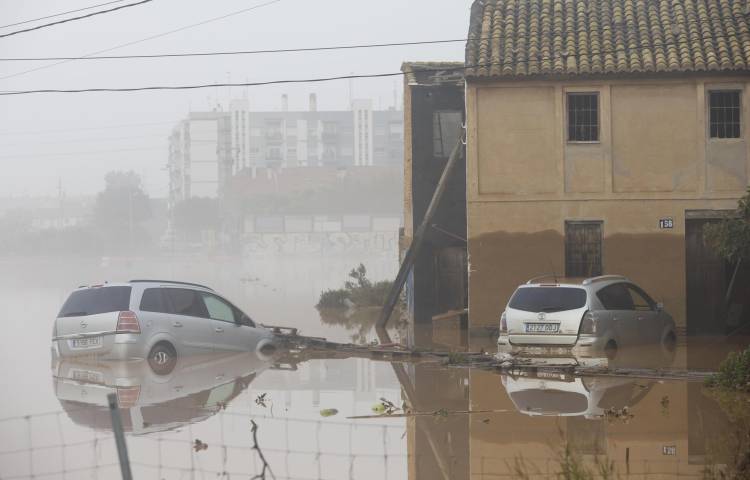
<point x="328" y="412"/>
<point x="486" y="421"/>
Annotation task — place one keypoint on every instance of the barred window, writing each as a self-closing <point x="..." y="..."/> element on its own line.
<point x="725" y="114"/>
<point x="583" y="117"/>
<point x="583" y="249"/>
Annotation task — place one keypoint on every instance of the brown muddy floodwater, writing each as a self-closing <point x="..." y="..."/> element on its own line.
<point x="460" y="423"/>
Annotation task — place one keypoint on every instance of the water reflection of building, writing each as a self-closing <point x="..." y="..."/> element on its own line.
<point x="645" y="428"/>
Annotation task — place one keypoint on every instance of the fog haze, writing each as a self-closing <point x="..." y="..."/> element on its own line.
<point x="71" y="141"/>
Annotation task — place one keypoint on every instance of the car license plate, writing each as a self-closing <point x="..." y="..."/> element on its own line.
<point x="86" y="376"/>
<point x="542" y="327"/>
<point x="88" y="342"/>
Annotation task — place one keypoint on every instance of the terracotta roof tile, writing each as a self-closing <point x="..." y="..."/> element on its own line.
<point x="512" y="38"/>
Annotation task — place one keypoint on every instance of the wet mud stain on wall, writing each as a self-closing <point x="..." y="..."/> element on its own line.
<point x="500" y="261"/>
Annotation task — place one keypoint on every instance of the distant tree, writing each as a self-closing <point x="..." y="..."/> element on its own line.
<point x="730" y="238"/>
<point x="121" y="209"/>
<point x="194" y="215"/>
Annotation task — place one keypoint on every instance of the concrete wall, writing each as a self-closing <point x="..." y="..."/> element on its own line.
<point x="653" y="160"/>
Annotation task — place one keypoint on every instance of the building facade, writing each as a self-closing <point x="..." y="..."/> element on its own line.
<point x="199" y="156"/>
<point x="602" y="136"/>
<point x="361" y="136"/>
<point x="437" y="287"/>
<point x="207" y="148"/>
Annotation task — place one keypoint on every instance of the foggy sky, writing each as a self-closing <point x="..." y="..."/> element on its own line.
<point x="43" y="137"/>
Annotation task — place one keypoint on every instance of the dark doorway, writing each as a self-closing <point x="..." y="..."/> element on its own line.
<point x="712" y="309"/>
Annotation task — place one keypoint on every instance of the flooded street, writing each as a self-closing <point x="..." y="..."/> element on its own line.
<point x="434" y="421"/>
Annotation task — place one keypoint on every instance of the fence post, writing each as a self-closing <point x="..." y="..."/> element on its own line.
<point x="122" y="449"/>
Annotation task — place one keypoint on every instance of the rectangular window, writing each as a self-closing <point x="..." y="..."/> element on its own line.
<point x="583" y="249"/>
<point x="153" y="301"/>
<point x="583" y="117"/>
<point x="446" y="130"/>
<point x="95" y="300"/>
<point x="186" y="302"/>
<point x="724" y="114"/>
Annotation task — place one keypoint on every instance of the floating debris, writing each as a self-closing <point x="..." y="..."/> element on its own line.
<point x="261" y="400"/>
<point x="199" y="446"/>
<point x="623" y="414"/>
<point x="328" y="412"/>
<point x="385" y="407"/>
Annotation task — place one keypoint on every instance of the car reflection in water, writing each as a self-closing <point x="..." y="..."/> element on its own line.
<point x="198" y="387"/>
<point x="559" y="394"/>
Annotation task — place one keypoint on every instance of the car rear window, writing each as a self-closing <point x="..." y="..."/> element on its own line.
<point x="548" y="299"/>
<point x="96" y="300"/>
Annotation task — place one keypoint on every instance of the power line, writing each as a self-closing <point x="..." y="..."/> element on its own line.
<point x="81" y="140"/>
<point x="320" y="79"/>
<point x="81" y="17"/>
<point x="88" y="152"/>
<point x="237" y="52"/>
<point x="352" y="77"/>
<point x="62" y="130"/>
<point x="159" y="35"/>
<point x="60" y="14"/>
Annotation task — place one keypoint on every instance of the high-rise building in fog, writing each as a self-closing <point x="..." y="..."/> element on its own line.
<point x="208" y="147"/>
<point x="199" y="155"/>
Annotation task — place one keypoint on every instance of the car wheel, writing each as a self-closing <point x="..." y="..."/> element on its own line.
<point x="669" y="348"/>
<point x="162" y="358"/>
<point x="610" y="350"/>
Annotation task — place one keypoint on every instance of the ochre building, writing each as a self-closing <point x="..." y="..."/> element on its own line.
<point x="601" y="137"/>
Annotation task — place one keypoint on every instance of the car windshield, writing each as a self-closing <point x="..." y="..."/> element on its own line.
<point x="548" y="299"/>
<point x="96" y="300"/>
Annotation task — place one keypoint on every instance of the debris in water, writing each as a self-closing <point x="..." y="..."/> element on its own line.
<point x="198" y="445"/>
<point x="622" y="414"/>
<point x="261" y="400"/>
<point x="328" y="412"/>
<point x="385" y="407"/>
<point x="486" y="421"/>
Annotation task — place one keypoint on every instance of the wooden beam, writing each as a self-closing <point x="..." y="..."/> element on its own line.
<point x="416" y="244"/>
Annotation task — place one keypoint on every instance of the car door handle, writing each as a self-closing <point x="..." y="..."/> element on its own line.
<point x="218" y="329"/>
<point x="176" y="324"/>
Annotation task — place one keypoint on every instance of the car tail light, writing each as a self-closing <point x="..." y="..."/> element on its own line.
<point x="588" y="324"/>
<point x="503" y="323"/>
<point x="128" y="396"/>
<point x="127" y="322"/>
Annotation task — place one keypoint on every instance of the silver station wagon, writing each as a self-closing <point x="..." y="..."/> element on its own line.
<point x="588" y="317"/>
<point x="154" y="320"/>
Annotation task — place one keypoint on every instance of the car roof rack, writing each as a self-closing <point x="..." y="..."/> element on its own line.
<point x="141" y="280"/>
<point x="542" y="277"/>
<point x="602" y="278"/>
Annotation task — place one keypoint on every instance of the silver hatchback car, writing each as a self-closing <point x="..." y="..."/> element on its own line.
<point x="600" y="314"/>
<point x="154" y="320"/>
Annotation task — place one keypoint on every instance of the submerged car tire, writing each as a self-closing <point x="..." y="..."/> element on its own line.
<point x="669" y="347"/>
<point x="162" y="358"/>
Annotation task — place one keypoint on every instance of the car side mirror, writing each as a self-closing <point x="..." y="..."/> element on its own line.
<point x="659" y="307"/>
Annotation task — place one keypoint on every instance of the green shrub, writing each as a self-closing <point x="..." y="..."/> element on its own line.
<point x="734" y="372"/>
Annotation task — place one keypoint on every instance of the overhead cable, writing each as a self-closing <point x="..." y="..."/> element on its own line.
<point x="72" y="19"/>
<point x="31" y="20"/>
<point x="332" y="78"/>
<point x="237" y="52"/>
<point x="134" y="42"/>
